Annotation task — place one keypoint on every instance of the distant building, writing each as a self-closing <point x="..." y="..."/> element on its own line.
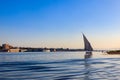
<point x="9" y="48"/>
<point x="6" y="46"/>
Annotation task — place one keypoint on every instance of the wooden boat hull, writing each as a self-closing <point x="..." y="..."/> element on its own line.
<point x="113" y="52"/>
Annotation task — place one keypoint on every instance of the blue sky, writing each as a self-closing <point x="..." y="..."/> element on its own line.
<point x="59" y="23"/>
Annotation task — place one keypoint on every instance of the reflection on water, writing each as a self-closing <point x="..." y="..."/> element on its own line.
<point x="59" y="66"/>
<point x="88" y="55"/>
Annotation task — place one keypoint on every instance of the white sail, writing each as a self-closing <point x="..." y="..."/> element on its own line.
<point x="87" y="45"/>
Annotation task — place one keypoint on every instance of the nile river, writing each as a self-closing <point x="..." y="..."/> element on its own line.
<point x="59" y="66"/>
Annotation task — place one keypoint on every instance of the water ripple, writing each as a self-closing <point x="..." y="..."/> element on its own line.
<point x="76" y="68"/>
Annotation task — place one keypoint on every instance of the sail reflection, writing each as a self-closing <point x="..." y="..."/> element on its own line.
<point x="87" y="65"/>
<point x="88" y="54"/>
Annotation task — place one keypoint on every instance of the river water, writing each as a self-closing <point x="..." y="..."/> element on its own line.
<point x="59" y="66"/>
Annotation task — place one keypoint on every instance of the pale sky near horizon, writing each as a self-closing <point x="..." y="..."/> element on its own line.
<point x="60" y="23"/>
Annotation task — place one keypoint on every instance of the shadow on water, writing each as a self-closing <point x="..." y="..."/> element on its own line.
<point x="87" y="65"/>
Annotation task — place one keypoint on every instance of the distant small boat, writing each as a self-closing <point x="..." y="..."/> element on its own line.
<point x="46" y="50"/>
<point x="114" y="52"/>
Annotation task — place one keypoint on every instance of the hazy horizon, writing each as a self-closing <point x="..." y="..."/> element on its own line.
<point x="60" y="23"/>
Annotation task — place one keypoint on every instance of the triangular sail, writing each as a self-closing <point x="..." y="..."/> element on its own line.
<point x="87" y="45"/>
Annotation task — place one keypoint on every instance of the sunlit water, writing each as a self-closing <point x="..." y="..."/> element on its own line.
<point x="59" y="66"/>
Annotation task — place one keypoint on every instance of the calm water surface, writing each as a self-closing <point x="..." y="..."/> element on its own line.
<point x="59" y="66"/>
